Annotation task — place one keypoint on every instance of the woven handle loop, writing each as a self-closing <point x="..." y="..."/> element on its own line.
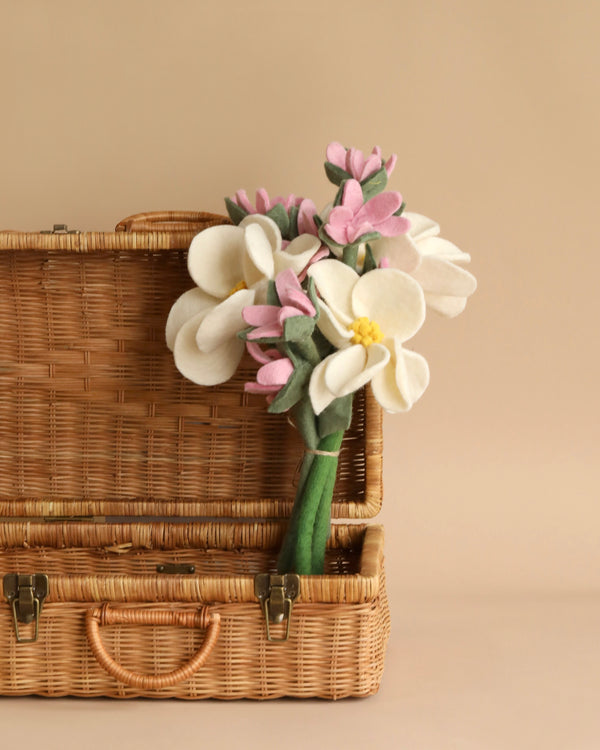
<point x="170" y="221"/>
<point x="105" y="615"/>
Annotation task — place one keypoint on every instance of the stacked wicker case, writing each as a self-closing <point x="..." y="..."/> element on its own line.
<point x="140" y="514"/>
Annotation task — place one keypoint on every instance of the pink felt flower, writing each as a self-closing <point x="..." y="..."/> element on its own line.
<point x="306" y="217"/>
<point x="354" y="162"/>
<point x="353" y="219"/>
<point x="274" y="373"/>
<point x="269" y="319"/>
<point x="263" y="203"/>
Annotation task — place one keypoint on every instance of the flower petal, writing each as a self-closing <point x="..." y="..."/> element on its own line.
<point x="187" y="306"/>
<point x="439" y="276"/>
<point x="241" y="198"/>
<point x="349" y="369"/>
<point x="269" y="227"/>
<point x="400" y="251"/>
<point x="392" y="299"/>
<point x="276" y="372"/>
<point x="334" y="331"/>
<point x="335" y="281"/>
<point x="352" y="196"/>
<point x="449" y="307"/>
<point x="402" y="381"/>
<point x="224" y="321"/>
<point x="336" y="154"/>
<point x="205" y="368"/>
<point x="421" y="226"/>
<point x="320" y="395"/>
<point x="440" y="248"/>
<point x="257" y="261"/>
<point x="215" y="259"/>
<point x="381" y="207"/>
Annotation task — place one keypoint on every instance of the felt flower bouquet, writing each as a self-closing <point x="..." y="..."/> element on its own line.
<point x="325" y="303"/>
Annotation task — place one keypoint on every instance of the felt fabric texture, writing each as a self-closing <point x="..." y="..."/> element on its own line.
<point x="388" y="297"/>
<point x="353" y="218"/>
<point x="231" y="266"/>
<point x="355" y="164"/>
<point x="431" y="261"/>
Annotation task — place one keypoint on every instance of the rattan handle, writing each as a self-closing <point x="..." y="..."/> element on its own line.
<point x="105" y="615"/>
<point x="170" y="221"/>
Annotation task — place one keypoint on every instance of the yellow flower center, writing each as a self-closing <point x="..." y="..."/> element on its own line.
<point x="240" y="285"/>
<point x="366" y="332"/>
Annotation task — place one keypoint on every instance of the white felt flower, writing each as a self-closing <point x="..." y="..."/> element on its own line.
<point x="431" y="261"/>
<point x="368" y="318"/>
<point x="231" y="266"/>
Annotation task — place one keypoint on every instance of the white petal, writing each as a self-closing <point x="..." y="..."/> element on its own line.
<point x="215" y="259"/>
<point x="187" y="306"/>
<point x="421" y="226"/>
<point x="332" y="329"/>
<point x="441" y="248"/>
<point x="400" y="251"/>
<point x="335" y="281"/>
<point x="201" y="367"/>
<point x="392" y="299"/>
<point x="258" y="257"/>
<point x="449" y="307"/>
<point x="403" y="381"/>
<point x="297" y="254"/>
<point x="269" y="227"/>
<point x="224" y="321"/>
<point x="349" y="369"/>
<point x="320" y="395"/>
<point x="439" y="276"/>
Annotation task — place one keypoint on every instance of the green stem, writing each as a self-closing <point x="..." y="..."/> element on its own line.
<point x="323" y="522"/>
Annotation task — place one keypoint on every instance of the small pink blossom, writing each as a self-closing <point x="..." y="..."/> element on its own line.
<point x="353" y="161"/>
<point x="274" y="373"/>
<point x="263" y="203"/>
<point x="306" y="217"/>
<point x="269" y="319"/>
<point x="353" y="219"/>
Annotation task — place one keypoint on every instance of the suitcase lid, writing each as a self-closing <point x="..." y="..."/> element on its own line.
<point x="95" y="419"/>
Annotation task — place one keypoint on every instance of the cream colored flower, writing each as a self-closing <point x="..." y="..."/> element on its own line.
<point x="231" y="266"/>
<point x="431" y="261"/>
<point x="368" y="318"/>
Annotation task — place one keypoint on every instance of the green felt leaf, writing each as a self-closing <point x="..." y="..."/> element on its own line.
<point x="370" y="262"/>
<point x="298" y="327"/>
<point x="400" y="211"/>
<point x="368" y="237"/>
<point x="318" y="221"/>
<point x="293" y="226"/>
<point x="311" y="290"/>
<point x="336" y="174"/>
<point x="337" y="201"/>
<point x="374" y="184"/>
<point x="244" y="334"/>
<point x="280" y="217"/>
<point x="350" y="256"/>
<point x="305" y="420"/>
<point x="293" y="390"/>
<point x="236" y="213"/>
<point x="272" y="296"/>
<point x="337" y="416"/>
<point x="324" y="346"/>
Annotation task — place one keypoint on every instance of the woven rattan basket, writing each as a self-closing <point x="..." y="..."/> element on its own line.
<point x="138" y="510"/>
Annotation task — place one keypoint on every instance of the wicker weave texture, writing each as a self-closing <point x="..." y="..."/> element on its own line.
<point x="96" y="420"/>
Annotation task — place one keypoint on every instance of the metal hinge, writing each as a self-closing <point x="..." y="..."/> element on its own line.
<point x="26" y="594"/>
<point x="277" y="593"/>
<point x="60" y="229"/>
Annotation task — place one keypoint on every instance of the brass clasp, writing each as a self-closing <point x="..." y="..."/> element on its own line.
<point x="277" y="593"/>
<point x="26" y="594"/>
<point x="60" y="229"/>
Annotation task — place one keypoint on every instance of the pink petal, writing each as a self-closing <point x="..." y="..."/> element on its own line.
<point x="264" y="332"/>
<point x="319" y="255"/>
<point x="299" y="300"/>
<point x="241" y="198"/>
<point x="262" y="201"/>
<point x="390" y="164"/>
<point x="273" y="353"/>
<point x="381" y="207"/>
<point x="306" y="213"/>
<point x="336" y="154"/>
<point x="255" y="351"/>
<point x="352" y="197"/>
<point x="376" y="152"/>
<point x="286" y="280"/>
<point x="356" y="161"/>
<point x="372" y="165"/>
<point x="393" y="226"/>
<point x="340" y="216"/>
<point x="288" y="312"/>
<point x="275" y="373"/>
<point x="356" y="231"/>
<point x="384" y="263"/>
<point x="260" y="315"/>
<point x="337" y="234"/>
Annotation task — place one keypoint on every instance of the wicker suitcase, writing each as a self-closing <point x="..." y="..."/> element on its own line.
<point x="140" y="515"/>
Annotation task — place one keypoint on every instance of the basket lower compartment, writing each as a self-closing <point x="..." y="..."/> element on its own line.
<point x="338" y="632"/>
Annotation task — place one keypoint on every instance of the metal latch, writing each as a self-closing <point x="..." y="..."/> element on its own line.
<point x="26" y="594"/>
<point x="277" y="593"/>
<point x="175" y="568"/>
<point x="60" y="229"/>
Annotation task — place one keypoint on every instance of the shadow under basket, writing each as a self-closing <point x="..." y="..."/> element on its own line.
<point x="141" y="515"/>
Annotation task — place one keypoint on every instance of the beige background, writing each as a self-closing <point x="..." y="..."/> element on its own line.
<point x="491" y="505"/>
